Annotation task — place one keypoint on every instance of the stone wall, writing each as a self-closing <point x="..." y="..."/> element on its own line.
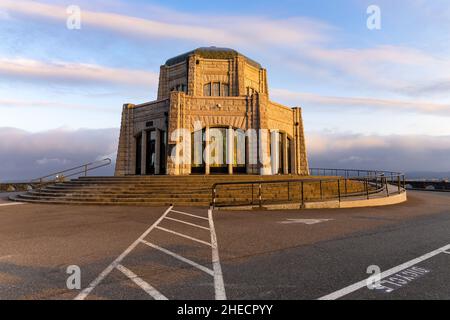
<point x="134" y="120"/>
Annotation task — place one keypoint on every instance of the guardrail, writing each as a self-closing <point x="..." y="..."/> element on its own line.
<point x="67" y="173"/>
<point x="343" y="184"/>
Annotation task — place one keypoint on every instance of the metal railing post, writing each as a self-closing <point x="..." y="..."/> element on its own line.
<point x="321" y="192"/>
<point x="399" y="187"/>
<point x="214" y="197"/>
<point x="386" y="184"/>
<point x="339" y="190"/>
<point x="260" y="196"/>
<point x="367" y="188"/>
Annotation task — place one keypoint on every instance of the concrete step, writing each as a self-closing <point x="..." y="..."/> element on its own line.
<point x="180" y="190"/>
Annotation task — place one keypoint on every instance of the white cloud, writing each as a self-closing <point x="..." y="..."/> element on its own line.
<point x="311" y="99"/>
<point x="39" y="103"/>
<point x="68" y="72"/>
<point x="228" y="30"/>
<point x="393" y="152"/>
<point x="300" y="42"/>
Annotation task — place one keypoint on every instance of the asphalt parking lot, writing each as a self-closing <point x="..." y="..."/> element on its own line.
<point x="172" y="253"/>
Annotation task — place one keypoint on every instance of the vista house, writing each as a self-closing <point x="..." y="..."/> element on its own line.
<point x="213" y="115"/>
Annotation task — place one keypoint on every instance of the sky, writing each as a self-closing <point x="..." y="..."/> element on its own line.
<point x="371" y="98"/>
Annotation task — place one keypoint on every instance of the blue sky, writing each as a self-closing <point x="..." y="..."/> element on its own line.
<point x="358" y="88"/>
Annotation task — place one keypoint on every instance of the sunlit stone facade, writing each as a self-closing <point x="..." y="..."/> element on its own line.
<point x="212" y="115"/>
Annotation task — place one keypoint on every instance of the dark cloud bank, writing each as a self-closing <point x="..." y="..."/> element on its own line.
<point x="25" y="155"/>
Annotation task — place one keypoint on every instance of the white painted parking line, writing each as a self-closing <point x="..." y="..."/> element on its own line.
<point x="304" y="221"/>
<point x="188" y="223"/>
<point x="183" y="235"/>
<point x="188" y="261"/>
<point x="11" y="204"/>
<point x="141" y="283"/>
<point x="219" y="286"/>
<point x="361" y="284"/>
<point x="83" y="294"/>
<point x="189" y="214"/>
<point x="215" y="272"/>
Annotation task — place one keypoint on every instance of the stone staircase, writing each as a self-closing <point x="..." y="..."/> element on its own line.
<point x="145" y="190"/>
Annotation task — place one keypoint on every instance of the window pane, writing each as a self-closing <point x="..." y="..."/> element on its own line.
<point x="225" y="90"/>
<point x="216" y="89"/>
<point x="207" y="90"/>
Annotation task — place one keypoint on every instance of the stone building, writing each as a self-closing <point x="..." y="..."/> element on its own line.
<point x="212" y="115"/>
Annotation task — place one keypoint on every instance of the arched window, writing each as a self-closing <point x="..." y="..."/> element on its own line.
<point x="225" y="92"/>
<point x="207" y="90"/>
<point x="216" y="89"/>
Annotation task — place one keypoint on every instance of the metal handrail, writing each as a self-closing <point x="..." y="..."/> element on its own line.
<point x="85" y="169"/>
<point x="374" y="183"/>
<point x="359" y="172"/>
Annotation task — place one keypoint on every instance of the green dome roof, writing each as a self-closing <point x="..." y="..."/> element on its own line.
<point x="211" y="53"/>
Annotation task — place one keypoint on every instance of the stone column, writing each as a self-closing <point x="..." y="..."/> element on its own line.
<point x="230" y="149"/>
<point x="157" y="151"/>
<point x="144" y="152"/>
<point x="126" y="152"/>
<point x="301" y="160"/>
<point x="285" y="153"/>
<point x="274" y="154"/>
<point x="207" y="150"/>
<point x="264" y="152"/>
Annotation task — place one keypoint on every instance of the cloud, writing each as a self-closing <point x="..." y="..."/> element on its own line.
<point x="299" y="42"/>
<point x="394" y="152"/>
<point x="439" y="88"/>
<point x="25" y="155"/>
<point x="227" y="30"/>
<point x="387" y="68"/>
<point x="311" y="99"/>
<point x="68" y="72"/>
<point x="10" y="103"/>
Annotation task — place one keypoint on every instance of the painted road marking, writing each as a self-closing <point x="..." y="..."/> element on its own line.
<point x="188" y="223"/>
<point x="363" y="283"/>
<point x="183" y="235"/>
<point x="173" y="254"/>
<point x="304" y="221"/>
<point x="216" y="272"/>
<point x="11" y="204"/>
<point x="83" y="294"/>
<point x="189" y="214"/>
<point x="141" y="283"/>
<point x="219" y="286"/>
